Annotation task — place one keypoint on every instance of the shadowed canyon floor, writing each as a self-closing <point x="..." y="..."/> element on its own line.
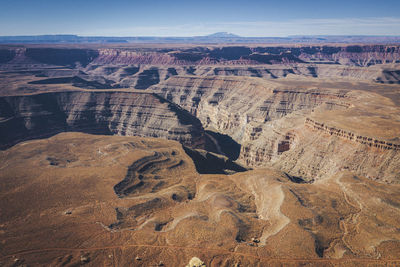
<point x="237" y="155"/>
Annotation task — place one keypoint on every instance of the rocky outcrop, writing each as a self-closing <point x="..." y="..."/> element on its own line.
<point x="195" y="262"/>
<point x="348" y="135"/>
<point x="119" y="113"/>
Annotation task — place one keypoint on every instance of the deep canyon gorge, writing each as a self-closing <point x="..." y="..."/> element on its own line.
<point x="240" y="155"/>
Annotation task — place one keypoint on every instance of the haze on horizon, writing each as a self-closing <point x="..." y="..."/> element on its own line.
<point x="254" y="18"/>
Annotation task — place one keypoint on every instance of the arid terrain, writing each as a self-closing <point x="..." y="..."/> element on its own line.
<point x="151" y="155"/>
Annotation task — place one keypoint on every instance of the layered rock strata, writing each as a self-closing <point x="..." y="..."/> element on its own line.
<point x="268" y="121"/>
<point x="372" y="142"/>
<point x="119" y="113"/>
<point x="140" y="67"/>
<point x="355" y="55"/>
<point x="244" y="108"/>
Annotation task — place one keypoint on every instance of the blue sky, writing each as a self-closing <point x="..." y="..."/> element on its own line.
<point x="199" y="17"/>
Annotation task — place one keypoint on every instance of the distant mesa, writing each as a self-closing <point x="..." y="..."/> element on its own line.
<point x="223" y="35"/>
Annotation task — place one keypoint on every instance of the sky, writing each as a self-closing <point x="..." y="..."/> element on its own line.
<point x="250" y="18"/>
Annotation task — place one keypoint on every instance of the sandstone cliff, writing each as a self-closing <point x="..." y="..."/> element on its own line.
<point x="268" y="121"/>
<point x="141" y="76"/>
<point x="141" y="68"/>
<point x="372" y="142"/>
<point x="119" y="113"/>
<point x="355" y="55"/>
<point x="241" y="107"/>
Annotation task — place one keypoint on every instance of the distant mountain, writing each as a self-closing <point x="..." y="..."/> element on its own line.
<point x="223" y="35"/>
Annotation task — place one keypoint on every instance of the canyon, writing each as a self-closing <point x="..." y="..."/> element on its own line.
<point x="248" y="155"/>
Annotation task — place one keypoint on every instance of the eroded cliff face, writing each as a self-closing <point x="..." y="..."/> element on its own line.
<point x="141" y="76"/>
<point x="355" y="55"/>
<point x="140" y="68"/>
<point x="270" y="123"/>
<point x="242" y="107"/>
<point x="319" y="153"/>
<point x="369" y="141"/>
<point x="118" y="113"/>
<point x="358" y="55"/>
<point x="258" y="96"/>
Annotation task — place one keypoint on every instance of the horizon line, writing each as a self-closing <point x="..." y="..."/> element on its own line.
<point x="212" y="35"/>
